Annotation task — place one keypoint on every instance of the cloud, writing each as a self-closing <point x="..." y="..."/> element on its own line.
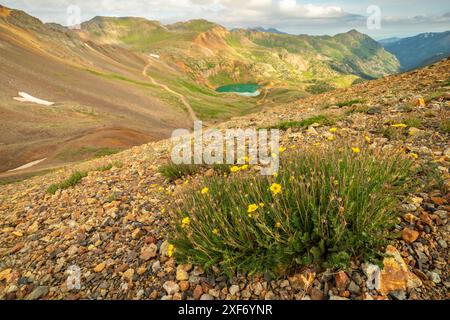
<point x="294" y="16"/>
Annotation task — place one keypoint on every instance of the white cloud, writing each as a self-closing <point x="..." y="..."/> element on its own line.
<point x="295" y="16"/>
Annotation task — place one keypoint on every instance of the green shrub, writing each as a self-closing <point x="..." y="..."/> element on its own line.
<point x="173" y="171"/>
<point x="320" y="87"/>
<point x="105" y="168"/>
<point x="445" y="126"/>
<point x="334" y="204"/>
<point x="322" y="120"/>
<point x="73" y="180"/>
<point x="412" y="122"/>
<point x="359" y="109"/>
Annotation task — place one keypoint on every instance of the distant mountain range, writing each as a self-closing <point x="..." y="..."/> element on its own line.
<point x="268" y="30"/>
<point x="418" y="51"/>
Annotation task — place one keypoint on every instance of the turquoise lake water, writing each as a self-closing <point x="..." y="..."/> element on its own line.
<point x="245" y="89"/>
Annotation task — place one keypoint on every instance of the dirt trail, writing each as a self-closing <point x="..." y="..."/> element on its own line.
<point x="179" y="95"/>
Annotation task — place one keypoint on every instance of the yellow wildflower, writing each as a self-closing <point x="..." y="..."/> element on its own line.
<point x="170" y="250"/>
<point x="368" y="140"/>
<point x="205" y="190"/>
<point x="414" y="155"/>
<point x="282" y="149"/>
<point x="274" y="155"/>
<point x="252" y="208"/>
<point x="216" y="231"/>
<point x="399" y="125"/>
<point x="262" y="205"/>
<point x="331" y="138"/>
<point x="278" y="225"/>
<point x="185" y="222"/>
<point x="356" y="150"/>
<point x="421" y="102"/>
<point x="235" y="169"/>
<point x="244" y="167"/>
<point x="333" y="130"/>
<point x="275" y="188"/>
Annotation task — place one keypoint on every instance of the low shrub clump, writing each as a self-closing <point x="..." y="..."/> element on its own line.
<point x="324" y="207"/>
<point x="320" y="119"/>
<point x="445" y="126"/>
<point x="73" y="180"/>
<point x="349" y="103"/>
<point x="174" y="171"/>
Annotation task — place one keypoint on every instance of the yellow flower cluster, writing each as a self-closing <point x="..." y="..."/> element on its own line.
<point x="170" y="250"/>
<point x="204" y="191"/>
<point x="185" y="222"/>
<point x="399" y="125"/>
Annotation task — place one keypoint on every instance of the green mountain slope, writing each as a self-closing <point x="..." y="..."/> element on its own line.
<point x="428" y="48"/>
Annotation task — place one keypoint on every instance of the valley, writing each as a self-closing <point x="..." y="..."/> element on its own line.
<point x="121" y="82"/>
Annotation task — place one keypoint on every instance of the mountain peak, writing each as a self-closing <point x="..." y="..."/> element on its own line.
<point x="268" y="30"/>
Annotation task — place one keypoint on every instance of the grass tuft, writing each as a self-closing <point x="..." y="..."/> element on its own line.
<point x="73" y="180"/>
<point x="349" y="103"/>
<point x="321" y="120"/>
<point x="445" y="126"/>
<point x="334" y="204"/>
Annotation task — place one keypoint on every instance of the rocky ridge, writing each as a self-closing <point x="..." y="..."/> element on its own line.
<point x="112" y="227"/>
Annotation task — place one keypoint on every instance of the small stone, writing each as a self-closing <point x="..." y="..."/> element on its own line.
<point x="33" y="228"/>
<point x="5" y="274"/>
<point x="214" y="292"/>
<point x="137" y="233"/>
<point x="258" y="288"/>
<point x="37" y="293"/>
<point x="184" y="286"/>
<point x="198" y="271"/>
<point x="410" y="235"/>
<point x="164" y="249"/>
<point x="234" y="289"/>
<point x="206" y="297"/>
<point x="354" y="288"/>
<point x="182" y="275"/>
<point x="416" y="132"/>
<point x="338" y="298"/>
<point x="148" y="252"/>
<point x="198" y="292"/>
<point x="269" y="296"/>
<point x="100" y="267"/>
<point x="156" y="266"/>
<point x="439" y="201"/>
<point x="434" y="276"/>
<point x="395" y="275"/>
<point x="374" y="110"/>
<point x="246" y="294"/>
<point x="316" y="294"/>
<point x="398" y="295"/>
<point x="171" y="287"/>
<point x="342" y="280"/>
<point x="410" y="218"/>
<point x="128" y="275"/>
<point x="442" y="243"/>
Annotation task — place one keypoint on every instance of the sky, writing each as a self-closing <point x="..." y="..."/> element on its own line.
<point x="378" y="18"/>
